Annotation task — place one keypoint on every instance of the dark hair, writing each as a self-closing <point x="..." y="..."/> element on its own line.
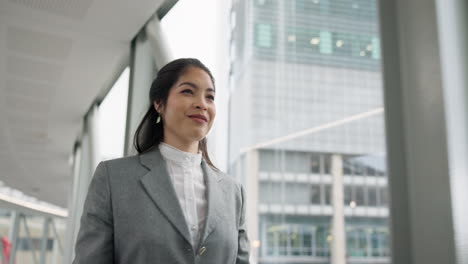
<point x="149" y="133"/>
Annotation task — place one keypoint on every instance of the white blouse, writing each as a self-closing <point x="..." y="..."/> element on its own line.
<point x="188" y="181"/>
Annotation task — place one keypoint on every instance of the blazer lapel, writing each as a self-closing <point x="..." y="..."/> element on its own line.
<point x="158" y="185"/>
<point x="214" y="197"/>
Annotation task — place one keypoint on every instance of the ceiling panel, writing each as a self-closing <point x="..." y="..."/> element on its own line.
<point x="56" y="56"/>
<point x="28" y="88"/>
<point x="33" y="69"/>
<point x="75" y="9"/>
<point x="39" y="44"/>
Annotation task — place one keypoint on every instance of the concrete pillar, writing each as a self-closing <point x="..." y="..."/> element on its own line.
<point x="87" y="159"/>
<point x="150" y="52"/>
<point x="338" y="243"/>
<point x="161" y="51"/>
<point x="72" y="218"/>
<point x="92" y="125"/>
<point x="82" y="184"/>
<point x="422" y="181"/>
<point x="453" y="41"/>
<point x="142" y="73"/>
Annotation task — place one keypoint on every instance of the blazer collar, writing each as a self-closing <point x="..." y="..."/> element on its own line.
<point x="158" y="185"/>
<point x="215" y="200"/>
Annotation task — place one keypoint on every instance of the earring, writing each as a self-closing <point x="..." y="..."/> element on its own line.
<point x="158" y="119"/>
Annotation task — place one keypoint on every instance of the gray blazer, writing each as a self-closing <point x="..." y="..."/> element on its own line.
<point x="132" y="216"/>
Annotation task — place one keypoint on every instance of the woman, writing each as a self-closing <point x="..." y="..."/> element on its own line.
<point x="168" y="204"/>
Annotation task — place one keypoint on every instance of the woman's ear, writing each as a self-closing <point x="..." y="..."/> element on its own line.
<point x="157" y="106"/>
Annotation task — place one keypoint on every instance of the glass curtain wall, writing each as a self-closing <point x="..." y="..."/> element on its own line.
<point x="307" y="131"/>
<point x="112" y="119"/>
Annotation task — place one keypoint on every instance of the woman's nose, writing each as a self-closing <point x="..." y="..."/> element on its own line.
<point x="201" y="103"/>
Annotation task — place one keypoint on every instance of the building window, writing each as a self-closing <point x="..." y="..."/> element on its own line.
<point x="383" y="196"/>
<point x="376" y="48"/>
<point x="348" y="195"/>
<point x="306" y="7"/>
<point x="315" y="164"/>
<point x="294" y="240"/>
<point x="372" y="196"/>
<point x="342" y="44"/>
<point x="359" y="193"/>
<point x="264" y="35"/>
<point x="367" y="241"/>
<point x="322" y="238"/>
<point x="300" y="240"/>
<point x="315" y="194"/>
<point x="328" y="194"/>
<point x="325" y="42"/>
<point x="364" y="47"/>
<point x="356" y="240"/>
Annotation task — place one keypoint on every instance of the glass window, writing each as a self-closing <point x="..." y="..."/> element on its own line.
<point x="326" y="166"/>
<point x="264" y="35"/>
<point x="322" y="241"/>
<point x="375" y="48"/>
<point x="264" y="3"/>
<point x="301" y="74"/>
<point x="328" y="194"/>
<point x="360" y="194"/>
<point x="325" y="41"/>
<point x="383" y="196"/>
<point x="343" y="44"/>
<point x="271" y="192"/>
<point x="324" y="6"/>
<point x="372" y="196"/>
<point x="375" y="242"/>
<point x="315" y="194"/>
<point x="295" y="241"/>
<point x="348" y="195"/>
<point x="297" y="193"/>
<point x="315" y="164"/>
<point x="112" y="119"/>
<point x="356" y="242"/>
<point x="283" y="241"/>
<point x="271" y="243"/>
<point x="363" y="46"/>
<point x="307" y="242"/>
<point x="306" y="6"/>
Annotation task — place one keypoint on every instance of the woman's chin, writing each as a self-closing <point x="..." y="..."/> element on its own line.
<point x="197" y="137"/>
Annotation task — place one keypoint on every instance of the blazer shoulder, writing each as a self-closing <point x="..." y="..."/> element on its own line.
<point x="227" y="178"/>
<point x="123" y="161"/>
<point x="122" y="168"/>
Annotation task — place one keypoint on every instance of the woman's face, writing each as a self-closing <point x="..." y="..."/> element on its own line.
<point x="190" y="109"/>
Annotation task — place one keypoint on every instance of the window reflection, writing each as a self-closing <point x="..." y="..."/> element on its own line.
<point x="302" y="66"/>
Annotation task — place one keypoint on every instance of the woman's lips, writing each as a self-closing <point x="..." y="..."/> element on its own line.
<point x="198" y="119"/>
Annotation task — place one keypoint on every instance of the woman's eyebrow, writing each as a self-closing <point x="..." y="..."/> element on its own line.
<point x="196" y="86"/>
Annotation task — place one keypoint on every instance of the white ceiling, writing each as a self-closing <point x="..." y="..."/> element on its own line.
<point x="55" y="58"/>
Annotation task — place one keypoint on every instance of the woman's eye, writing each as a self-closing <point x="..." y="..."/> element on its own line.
<point x="210" y="97"/>
<point x="187" y="91"/>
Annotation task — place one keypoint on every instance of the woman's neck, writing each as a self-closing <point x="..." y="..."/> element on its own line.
<point x="191" y="147"/>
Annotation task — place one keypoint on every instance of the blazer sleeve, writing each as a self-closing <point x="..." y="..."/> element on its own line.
<point x="244" y="244"/>
<point x="95" y="238"/>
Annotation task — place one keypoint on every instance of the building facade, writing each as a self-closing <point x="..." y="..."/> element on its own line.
<point x="307" y="130"/>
